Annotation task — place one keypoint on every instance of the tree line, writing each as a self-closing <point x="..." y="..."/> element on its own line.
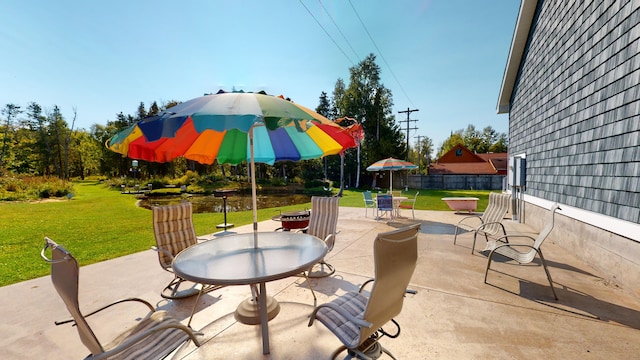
<point x="35" y="141"/>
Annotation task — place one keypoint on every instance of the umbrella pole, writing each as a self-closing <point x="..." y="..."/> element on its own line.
<point x="253" y="189"/>
<point x="391" y="181"/>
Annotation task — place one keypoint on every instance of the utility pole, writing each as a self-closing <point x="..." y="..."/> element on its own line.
<point x="419" y="137"/>
<point x="408" y="111"/>
<point x="408" y="121"/>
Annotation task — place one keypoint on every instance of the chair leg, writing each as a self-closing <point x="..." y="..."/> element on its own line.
<point x="455" y="235"/>
<point x="473" y="246"/>
<point x="315" y="299"/>
<point x="335" y="354"/>
<point x="384" y="349"/>
<point x="546" y="270"/>
<point x="321" y="274"/>
<point x="544" y="265"/>
<point x="195" y="304"/>
<point x="488" y="265"/>
<point x="172" y="290"/>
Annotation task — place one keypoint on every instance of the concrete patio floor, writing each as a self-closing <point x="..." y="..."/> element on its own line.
<point x="453" y="315"/>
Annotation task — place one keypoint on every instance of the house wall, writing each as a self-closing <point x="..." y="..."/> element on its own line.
<point x="575" y="115"/>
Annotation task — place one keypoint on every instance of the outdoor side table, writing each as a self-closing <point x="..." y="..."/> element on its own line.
<point x="224" y="194"/>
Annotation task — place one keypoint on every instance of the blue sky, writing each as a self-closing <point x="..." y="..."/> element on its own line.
<point x="443" y="57"/>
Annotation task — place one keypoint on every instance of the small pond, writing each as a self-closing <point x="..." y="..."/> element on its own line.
<point x="238" y="202"/>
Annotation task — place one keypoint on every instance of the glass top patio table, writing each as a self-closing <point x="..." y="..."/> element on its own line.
<point x="233" y="260"/>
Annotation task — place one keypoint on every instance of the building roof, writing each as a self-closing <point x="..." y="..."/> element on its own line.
<point x="462" y="161"/>
<point x="518" y="45"/>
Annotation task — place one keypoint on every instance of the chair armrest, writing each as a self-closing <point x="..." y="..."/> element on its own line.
<point x="484" y="225"/>
<point x="164" y="251"/>
<point x="151" y="308"/>
<point x="513" y="245"/>
<point x="169" y="324"/>
<point x="515" y="236"/>
<point x="341" y="311"/>
<point x="474" y="216"/>
<point x="365" y="284"/>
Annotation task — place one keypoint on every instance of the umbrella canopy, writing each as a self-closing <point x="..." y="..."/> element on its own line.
<point x="216" y="127"/>
<point x="232" y="128"/>
<point x="391" y="164"/>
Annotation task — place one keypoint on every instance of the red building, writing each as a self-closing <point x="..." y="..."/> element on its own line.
<point x="462" y="161"/>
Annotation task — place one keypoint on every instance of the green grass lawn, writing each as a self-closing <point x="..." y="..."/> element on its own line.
<point x="98" y="224"/>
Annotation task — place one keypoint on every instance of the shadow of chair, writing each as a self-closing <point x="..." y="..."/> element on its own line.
<point x="489" y="223"/>
<point x="323" y="223"/>
<point x="527" y="256"/>
<point x="174" y="232"/>
<point x="384" y="204"/>
<point x="357" y="320"/>
<point x="156" y="335"/>
<point x="410" y="204"/>
<point x="369" y="203"/>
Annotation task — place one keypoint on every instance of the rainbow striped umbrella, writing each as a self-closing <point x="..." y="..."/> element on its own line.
<point x="391" y="164"/>
<point x="217" y="127"/>
<point x="232" y="128"/>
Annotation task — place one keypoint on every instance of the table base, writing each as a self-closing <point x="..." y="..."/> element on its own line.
<point x="248" y="312"/>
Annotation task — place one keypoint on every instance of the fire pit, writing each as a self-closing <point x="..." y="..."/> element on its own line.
<point x="292" y="220"/>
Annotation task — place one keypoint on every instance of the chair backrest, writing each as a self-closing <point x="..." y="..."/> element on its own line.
<point x="368" y="199"/>
<point x="495" y="212"/>
<point x="323" y="221"/>
<point x="548" y="227"/>
<point x="173" y="230"/>
<point x="395" y="255"/>
<point x="385" y="202"/>
<point x="64" y="275"/>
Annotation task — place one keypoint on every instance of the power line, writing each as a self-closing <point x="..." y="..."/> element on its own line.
<point x="380" y="52"/>
<point x="327" y="33"/>
<point x="338" y="27"/>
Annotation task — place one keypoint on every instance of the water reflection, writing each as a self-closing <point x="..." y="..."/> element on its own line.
<point x="238" y="202"/>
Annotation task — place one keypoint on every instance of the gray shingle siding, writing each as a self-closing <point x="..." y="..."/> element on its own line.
<point x="575" y="108"/>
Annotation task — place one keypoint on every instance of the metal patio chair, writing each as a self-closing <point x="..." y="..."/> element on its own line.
<point x="511" y="251"/>
<point x="356" y="319"/>
<point x="384" y="204"/>
<point x="489" y="223"/>
<point x="410" y="204"/>
<point x="155" y="336"/>
<point x="368" y="202"/>
<point x="174" y="232"/>
<point x="323" y="223"/>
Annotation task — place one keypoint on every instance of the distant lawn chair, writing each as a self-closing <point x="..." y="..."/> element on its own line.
<point x="489" y="223"/>
<point x="410" y="204"/>
<point x="384" y="204"/>
<point x="395" y="192"/>
<point x="155" y="336"/>
<point x="174" y="232"/>
<point x="368" y="202"/>
<point x="509" y="250"/>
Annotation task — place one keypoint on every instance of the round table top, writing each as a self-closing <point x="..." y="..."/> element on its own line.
<point x="460" y="199"/>
<point x="233" y="259"/>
